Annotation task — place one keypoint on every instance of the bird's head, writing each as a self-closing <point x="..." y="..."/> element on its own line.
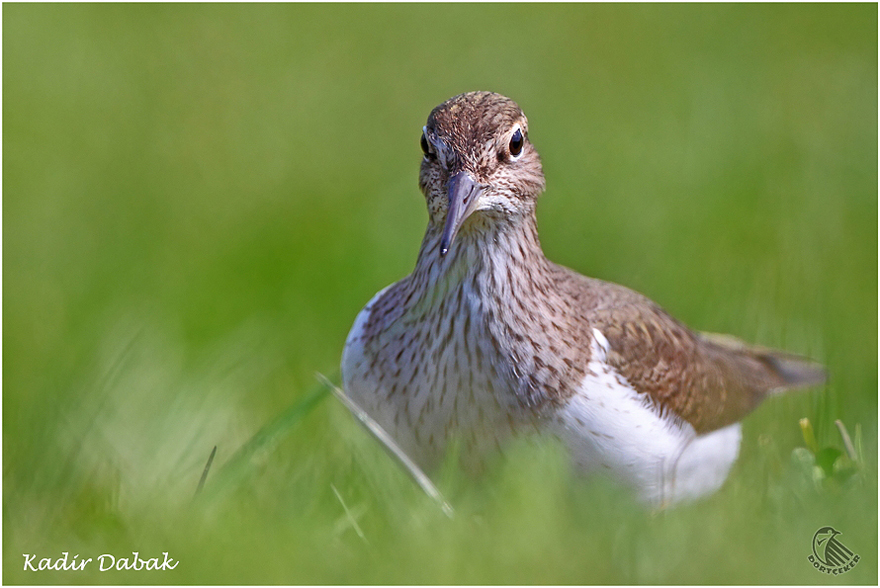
<point x="478" y="164"/>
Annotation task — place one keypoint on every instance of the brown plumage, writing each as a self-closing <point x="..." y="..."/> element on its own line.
<point x="487" y="338"/>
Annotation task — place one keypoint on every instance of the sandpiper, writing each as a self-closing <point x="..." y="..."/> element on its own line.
<point x="488" y="339"/>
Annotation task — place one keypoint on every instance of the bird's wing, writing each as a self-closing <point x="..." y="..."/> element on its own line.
<point x="707" y="381"/>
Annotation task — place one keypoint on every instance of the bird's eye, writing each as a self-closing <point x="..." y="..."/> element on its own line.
<point x="516" y="143"/>
<point x="426" y="148"/>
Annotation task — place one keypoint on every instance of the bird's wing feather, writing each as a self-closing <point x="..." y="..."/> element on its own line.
<point x="709" y="385"/>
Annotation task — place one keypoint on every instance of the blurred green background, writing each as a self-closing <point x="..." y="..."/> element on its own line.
<point x="198" y="199"/>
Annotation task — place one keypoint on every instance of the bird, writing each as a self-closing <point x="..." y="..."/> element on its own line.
<point x="487" y="340"/>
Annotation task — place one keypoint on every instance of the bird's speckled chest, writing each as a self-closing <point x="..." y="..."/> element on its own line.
<point x="432" y="370"/>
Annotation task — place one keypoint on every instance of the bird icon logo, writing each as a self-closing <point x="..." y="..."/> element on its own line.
<point x="830" y="556"/>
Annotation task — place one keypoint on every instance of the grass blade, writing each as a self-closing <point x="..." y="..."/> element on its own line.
<point x="379" y="433"/>
<point x="266" y="439"/>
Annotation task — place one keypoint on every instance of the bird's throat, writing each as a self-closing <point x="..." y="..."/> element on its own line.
<point x="493" y="273"/>
<point x="486" y="252"/>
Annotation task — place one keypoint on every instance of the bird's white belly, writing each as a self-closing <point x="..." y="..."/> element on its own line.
<point x="609" y="426"/>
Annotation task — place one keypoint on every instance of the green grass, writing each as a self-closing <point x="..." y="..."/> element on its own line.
<point x="197" y="200"/>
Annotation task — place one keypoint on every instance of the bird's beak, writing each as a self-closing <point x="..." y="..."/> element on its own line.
<point x="463" y="193"/>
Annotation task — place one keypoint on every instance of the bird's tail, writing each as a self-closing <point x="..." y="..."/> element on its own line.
<point x="790" y="371"/>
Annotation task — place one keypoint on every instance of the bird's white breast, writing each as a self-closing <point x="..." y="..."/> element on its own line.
<point x="609" y="426"/>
